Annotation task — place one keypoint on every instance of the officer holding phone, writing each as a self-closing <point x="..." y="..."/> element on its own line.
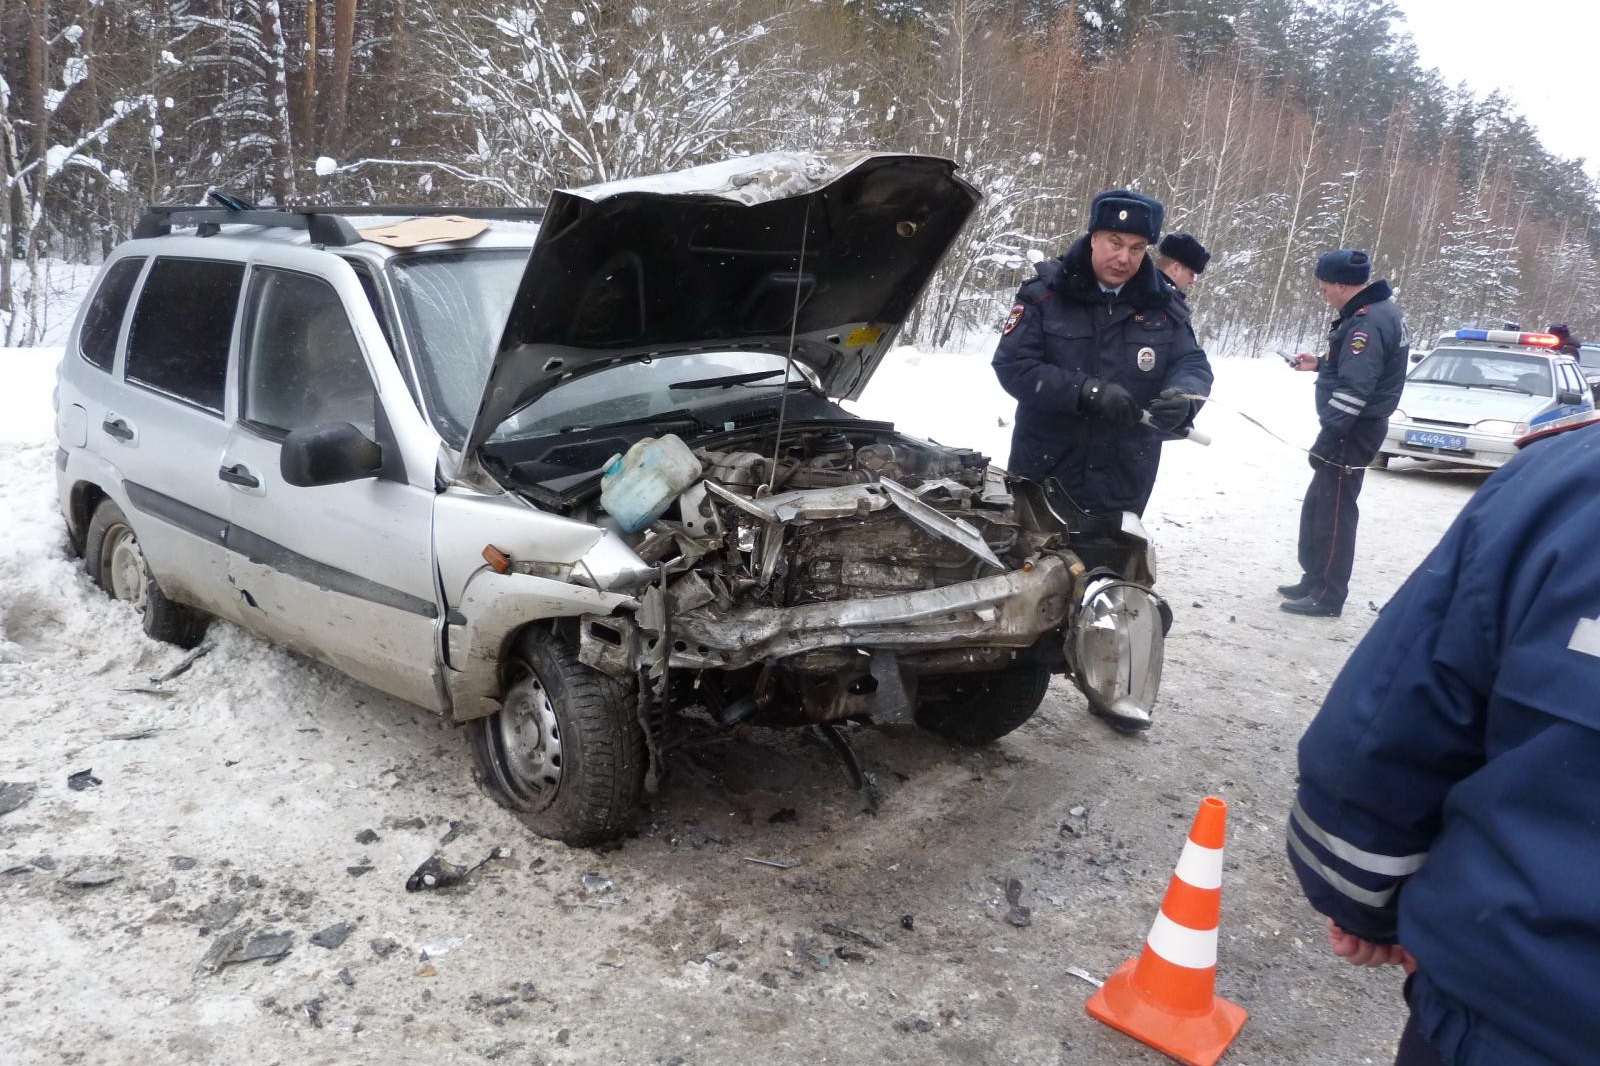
<point x="1358" y="388"/>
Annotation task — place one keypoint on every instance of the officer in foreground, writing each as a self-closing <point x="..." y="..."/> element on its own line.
<point x="1093" y="341"/>
<point x="1182" y="259"/>
<point x="1448" y="814"/>
<point x="1358" y="388"/>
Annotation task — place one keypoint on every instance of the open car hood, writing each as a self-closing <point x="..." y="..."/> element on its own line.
<point x="718" y="258"/>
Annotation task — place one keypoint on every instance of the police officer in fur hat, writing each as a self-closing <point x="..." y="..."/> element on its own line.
<point x="1358" y="388"/>
<point x="1182" y="258"/>
<point x="1094" y="340"/>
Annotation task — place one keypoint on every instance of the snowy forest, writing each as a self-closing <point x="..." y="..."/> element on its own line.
<point x="1272" y="129"/>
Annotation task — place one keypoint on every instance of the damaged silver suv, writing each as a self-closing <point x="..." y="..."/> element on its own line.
<point x="577" y="478"/>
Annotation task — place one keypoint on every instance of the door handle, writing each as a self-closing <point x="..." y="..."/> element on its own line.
<point x="116" y="427"/>
<point x="238" y="474"/>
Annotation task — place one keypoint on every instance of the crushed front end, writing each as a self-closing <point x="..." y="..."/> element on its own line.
<point x="868" y="575"/>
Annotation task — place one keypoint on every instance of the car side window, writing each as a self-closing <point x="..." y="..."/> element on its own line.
<point x="102" y="322"/>
<point x="1572" y="380"/>
<point x="182" y="328"/>
<point x="302" y="365"/>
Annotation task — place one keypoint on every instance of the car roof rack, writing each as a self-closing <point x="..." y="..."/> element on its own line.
<point x="325" y="225"/>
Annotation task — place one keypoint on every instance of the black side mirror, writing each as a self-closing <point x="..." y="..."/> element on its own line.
<point x="328" y="454"/>
<point x="1567" y="396"/>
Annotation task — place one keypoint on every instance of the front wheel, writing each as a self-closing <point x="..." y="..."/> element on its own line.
<point x="978" y="709"/>
<point x="564" y="750"/>
<point x="116" y="563"/>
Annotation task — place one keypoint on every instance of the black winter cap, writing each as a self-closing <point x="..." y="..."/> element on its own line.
<point x="1347" y="266"/>
<point x="1127" y="212"/>
<point x="1186" y="250"/>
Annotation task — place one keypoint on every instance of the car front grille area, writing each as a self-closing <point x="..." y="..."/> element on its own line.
<point x="1454" y="427"/>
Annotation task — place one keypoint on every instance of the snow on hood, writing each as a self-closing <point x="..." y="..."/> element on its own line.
<point x="831" y="248"/>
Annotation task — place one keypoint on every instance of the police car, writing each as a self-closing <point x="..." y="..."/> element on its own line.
<point x="1589" y="364"/>
<point x="1470" y="398"/>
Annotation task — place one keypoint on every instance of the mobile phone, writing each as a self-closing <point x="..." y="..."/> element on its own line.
<point x="1286" y="358"/>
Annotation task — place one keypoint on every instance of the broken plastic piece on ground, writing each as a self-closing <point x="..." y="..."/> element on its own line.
<point x="332" y="936"/>
<point x="14" y="794"/>
<point x="438" y="872"/>
<point x="83" y="779"/>
<point x="1084" y="975"/>
<point x="90" y="877"/>
<point x="240" y="946"/>
<point x="182" y="664"/>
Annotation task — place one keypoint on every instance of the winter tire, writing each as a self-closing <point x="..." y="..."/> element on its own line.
<point x="116" y="563"/>
<point x="979" y="709"/>
<point x="564" y="751"/>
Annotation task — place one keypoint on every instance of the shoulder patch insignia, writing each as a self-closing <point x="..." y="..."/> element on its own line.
<point x="1358" y="342"/>
<point x="1013" y="318"/>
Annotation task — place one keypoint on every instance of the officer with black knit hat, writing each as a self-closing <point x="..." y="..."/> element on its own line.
<point x="1095" y="339"/>
<point x="1182" y="258"/>
<point x="1358" y="388"/>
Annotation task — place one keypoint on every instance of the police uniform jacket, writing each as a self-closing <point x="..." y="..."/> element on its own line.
<point x="1062" y="331"/>
<point x="1365" y="368"/>
<point x="1449" y="794"/>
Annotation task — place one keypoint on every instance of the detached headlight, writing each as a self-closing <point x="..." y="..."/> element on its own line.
<point x="1115" y="648"/>
<point x="1500" y="425"/>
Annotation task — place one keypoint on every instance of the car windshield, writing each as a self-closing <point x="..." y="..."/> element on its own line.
<point x="653" y="389"/>
<point x="1477" y="368"/>
<point x="455" y="305"/>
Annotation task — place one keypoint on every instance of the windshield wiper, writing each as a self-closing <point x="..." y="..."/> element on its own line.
<point x="663" y="419"/>
<point x="727" y="380"/>
<point x="1434" y="381"/>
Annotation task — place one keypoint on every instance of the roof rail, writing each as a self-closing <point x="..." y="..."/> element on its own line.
<point x="326" y="225"/>
<point x="323" y="228"/>
<point x="510" y="214"/>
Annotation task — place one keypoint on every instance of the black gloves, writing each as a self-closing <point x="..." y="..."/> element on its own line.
<point x="1170" y="409"/>
<point x="1108" y="401"/>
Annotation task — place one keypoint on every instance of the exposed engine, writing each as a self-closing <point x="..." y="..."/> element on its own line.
<point x="862" y="562"/>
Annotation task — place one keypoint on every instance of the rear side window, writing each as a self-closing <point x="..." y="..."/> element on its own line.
<point x="303" y="365"/>
<point x="182" y="327"/>
<point x="103" y="321"/>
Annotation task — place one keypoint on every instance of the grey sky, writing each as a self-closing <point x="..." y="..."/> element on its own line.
<point x="1541" y="53"/>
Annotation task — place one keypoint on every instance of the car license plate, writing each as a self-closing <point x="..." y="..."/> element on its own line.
<point x="1426" y="438"/>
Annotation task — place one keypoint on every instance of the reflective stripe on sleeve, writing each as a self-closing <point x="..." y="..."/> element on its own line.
<point x="1340" y="405"/>
<point x="1334" y="880"/>
<point x="1370" y="861"/>
<point x="1200" y="866"/>
<point x="1350" y="398"/>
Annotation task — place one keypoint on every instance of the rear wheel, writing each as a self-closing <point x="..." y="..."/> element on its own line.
<point x="979" y="709"/>
<point x="116" y="563"/>
<point x="564" y="750"/>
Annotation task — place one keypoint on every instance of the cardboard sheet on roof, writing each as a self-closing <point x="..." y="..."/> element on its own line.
<point x="435" y="229"/>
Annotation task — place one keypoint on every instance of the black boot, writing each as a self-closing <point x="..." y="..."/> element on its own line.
<point x="1314" y="607"/>
<point x="1297" y="590"/>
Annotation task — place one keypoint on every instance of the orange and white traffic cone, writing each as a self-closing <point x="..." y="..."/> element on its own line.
<point x="1167" y="997"/>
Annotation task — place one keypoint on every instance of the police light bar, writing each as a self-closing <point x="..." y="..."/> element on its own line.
<point x="1507" y="336"/>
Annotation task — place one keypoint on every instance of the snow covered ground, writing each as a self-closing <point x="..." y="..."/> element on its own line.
<point x="234" y="794"/>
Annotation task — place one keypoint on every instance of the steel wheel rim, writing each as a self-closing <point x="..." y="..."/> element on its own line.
<point x="122" y="563"/>
<point x="530" y="742"/>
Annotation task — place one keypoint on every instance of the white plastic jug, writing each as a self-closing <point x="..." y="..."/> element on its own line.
<point x="637" y="487"/>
